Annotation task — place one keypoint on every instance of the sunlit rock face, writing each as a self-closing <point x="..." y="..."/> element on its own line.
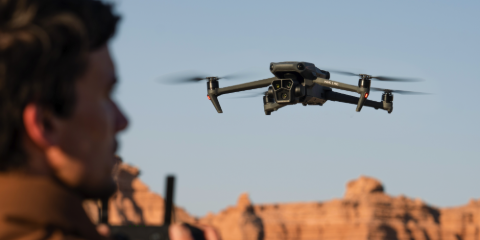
<point x="237" y="222"/>
<point x="365" y="212"/>
<point x="461" y="223"/>
<point x="134" y="203"/>
<point x="363" y="186"/>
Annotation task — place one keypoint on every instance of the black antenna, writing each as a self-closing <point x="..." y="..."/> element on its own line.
<point x="169" y="208"/>
<point x="154" y="232"/>
<point x="103" y="211"/>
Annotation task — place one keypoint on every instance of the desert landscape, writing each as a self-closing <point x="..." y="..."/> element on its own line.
<point x="365" y="212"/>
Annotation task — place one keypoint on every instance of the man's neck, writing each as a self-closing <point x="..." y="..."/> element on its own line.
<point x="37" y="163"/>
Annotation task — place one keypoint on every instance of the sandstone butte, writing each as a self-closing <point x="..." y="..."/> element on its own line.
<point x="365" y="213"/>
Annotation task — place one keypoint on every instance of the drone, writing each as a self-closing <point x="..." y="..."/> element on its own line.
<point x="302" y="82"/>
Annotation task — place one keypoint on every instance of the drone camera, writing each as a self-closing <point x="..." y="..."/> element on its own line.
<point x="283" y="90"/>
<point x="287" y="84"/>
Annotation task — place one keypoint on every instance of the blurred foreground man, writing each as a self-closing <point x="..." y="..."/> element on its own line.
<point x="58" y="122"/>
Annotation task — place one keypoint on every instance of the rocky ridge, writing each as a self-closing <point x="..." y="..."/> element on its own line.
<point x="365" y="212"/>
<point x="134" y="203"/>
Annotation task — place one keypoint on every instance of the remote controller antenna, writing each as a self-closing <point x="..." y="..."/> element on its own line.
<point x="169" y="208"/>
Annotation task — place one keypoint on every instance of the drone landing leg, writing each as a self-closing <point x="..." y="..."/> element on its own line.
<point x="215" y="102"/>
<point x="361" y="101"/>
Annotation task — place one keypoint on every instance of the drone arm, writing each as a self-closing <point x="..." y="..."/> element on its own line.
<point x="337" y="85"/>
<point x="245" y="86"/>
<point x="339" y="97"/>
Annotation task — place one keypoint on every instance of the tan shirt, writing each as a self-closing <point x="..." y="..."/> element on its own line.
<point x="39" y="208"/>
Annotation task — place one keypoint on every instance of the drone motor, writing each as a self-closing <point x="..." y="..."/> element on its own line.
<point x="387" y="97"/>
<point x="212" y="83"/>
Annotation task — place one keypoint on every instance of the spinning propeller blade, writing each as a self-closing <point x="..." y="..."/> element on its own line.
<point x="182" y="79"/>
<point x="380" y="78"/>
<point x="194" y="78"/>
<point x="398" y="91"/>
<point x="236" y="76"/>
<point x="343" y="72"/>
<point x="257" y="94"/>
<point x="396" y="79"/>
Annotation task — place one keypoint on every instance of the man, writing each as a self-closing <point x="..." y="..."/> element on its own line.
<point x="58" y="121"/>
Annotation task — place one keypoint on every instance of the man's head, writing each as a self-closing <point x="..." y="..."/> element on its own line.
<point x="57" y="117"/>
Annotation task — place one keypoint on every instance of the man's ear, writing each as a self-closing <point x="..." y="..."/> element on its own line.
<point x="38" y="125"/>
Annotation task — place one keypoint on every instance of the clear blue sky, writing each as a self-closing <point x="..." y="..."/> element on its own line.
<point x="427" y="148"/>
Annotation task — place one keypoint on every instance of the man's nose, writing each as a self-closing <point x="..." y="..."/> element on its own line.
<point x="121" y="121"/>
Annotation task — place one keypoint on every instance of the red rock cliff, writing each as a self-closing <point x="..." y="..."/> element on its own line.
<point x="365" y="213"/>
<point x="134" y="203"/>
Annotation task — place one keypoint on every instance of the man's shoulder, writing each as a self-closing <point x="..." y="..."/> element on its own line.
<point x="25" y="231"/>
<point x="39" y="208"/>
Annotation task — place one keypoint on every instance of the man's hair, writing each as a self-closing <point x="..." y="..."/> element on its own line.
<point x="44" y="46"/>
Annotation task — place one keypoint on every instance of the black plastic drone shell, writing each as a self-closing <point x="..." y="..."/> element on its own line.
<point x="305" y="69"/>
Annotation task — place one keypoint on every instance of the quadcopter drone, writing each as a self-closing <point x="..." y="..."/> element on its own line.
<point x="302" y="82"/>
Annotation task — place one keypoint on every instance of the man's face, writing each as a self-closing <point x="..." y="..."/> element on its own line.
<point x="85" y="153"/>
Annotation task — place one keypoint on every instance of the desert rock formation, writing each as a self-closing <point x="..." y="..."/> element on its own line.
<point x="134" y="203"/>
<point x="238" y="222"/>
<point x="461" y="223"/>
<point x="365" y="213"/>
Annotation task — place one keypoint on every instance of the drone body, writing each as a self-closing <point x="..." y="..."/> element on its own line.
<point x="302" y="82"/>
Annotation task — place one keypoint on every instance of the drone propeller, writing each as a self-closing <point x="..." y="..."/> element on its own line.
<point x="398" y="91"/>
<point x="257" y="94"/>
<point x="380" y="78"/>
<point x="343" y="72"/>
<point x="193" y="78"/>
